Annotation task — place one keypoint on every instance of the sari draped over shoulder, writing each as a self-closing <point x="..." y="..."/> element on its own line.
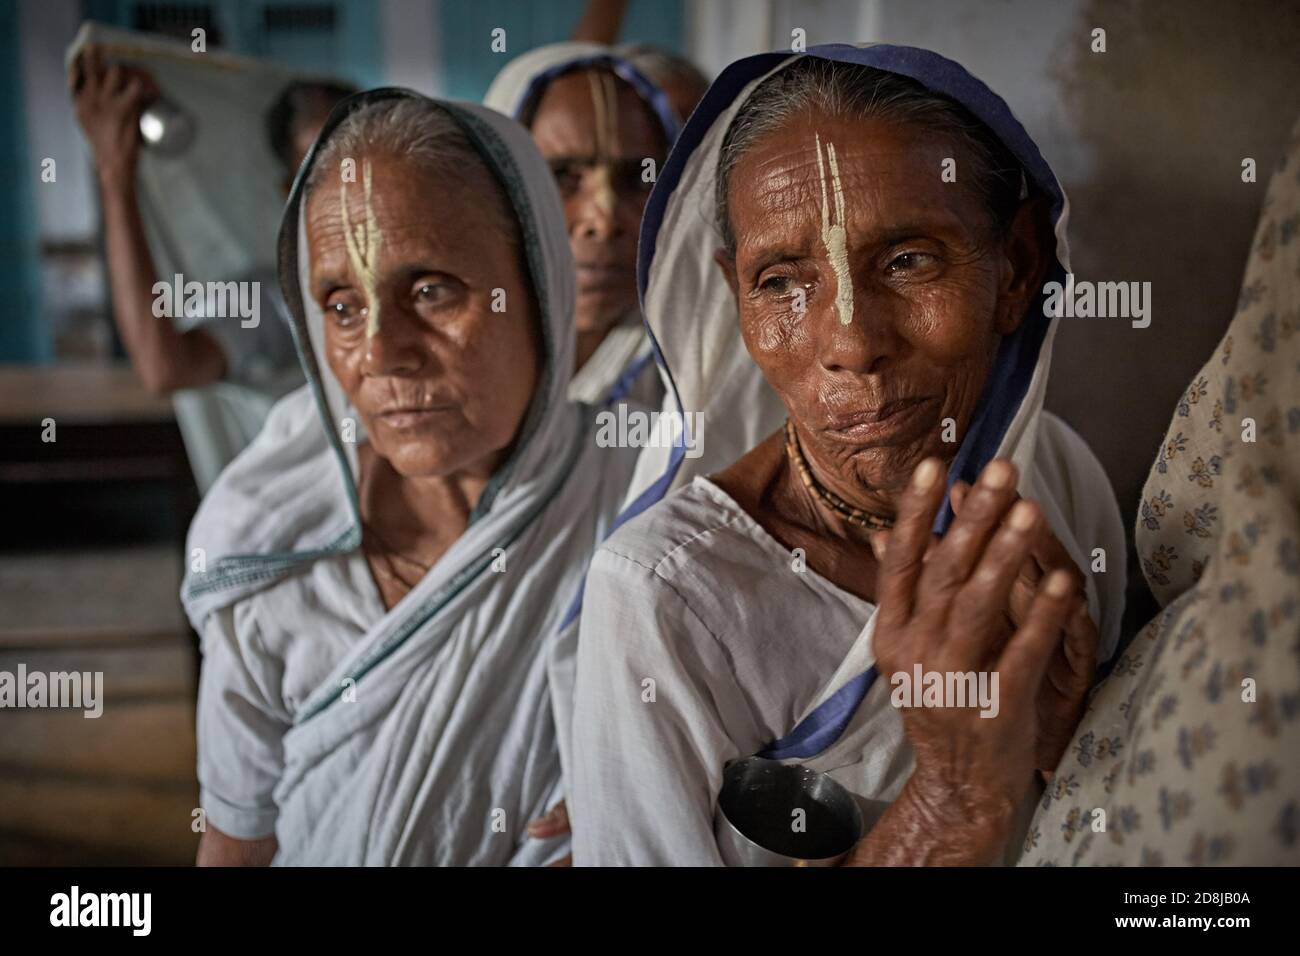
<point x="1187" y="752"/>
<point x="428" y="737"/>
<point x="676" y="592"/>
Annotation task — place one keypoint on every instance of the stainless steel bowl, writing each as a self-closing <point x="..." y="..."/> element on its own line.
<point x="756" y="823"/>
<point x="166" y="128"/>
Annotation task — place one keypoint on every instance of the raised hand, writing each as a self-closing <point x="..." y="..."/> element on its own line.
<point x="108" y="100"/>
<point x="944" y="605"/>
<point x="1070" y="673"/>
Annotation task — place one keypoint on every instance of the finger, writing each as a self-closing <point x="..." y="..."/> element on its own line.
<point x="981" y="603"/>
<point x="94" y="64"/>
<point x="137" y="95"/>
<point x="1082" y="641"/>
<point x="957" y="494"/>
<point x="1051" y="554"/>
<point x="880" y="542"/>
<point x="982" y="511"/>
<point x="907" y="542"/>
<point x="1029" y="573"/>
<point x="956" y="497"/>
<point x="555" y="823"/>
<point x="151" y="89"/>
<point x="132" y="91"/>
<point x="92" y="70"/>
<point x="1025" y="659"/>
<point x="138" y="78"/>
<point x="77" y="73"/>
<point x="566" y="860"/>
<point x="1023" y="591"/>
<point x="114" y="79"/>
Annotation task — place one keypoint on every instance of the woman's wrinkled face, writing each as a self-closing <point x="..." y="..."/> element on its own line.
<point x="596" y="134"/>
<point x="871" y="293"/>
<point x="407" y="274"/>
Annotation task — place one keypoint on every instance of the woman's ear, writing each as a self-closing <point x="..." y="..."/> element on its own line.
<point x="1025" y="258"/>
<point x="727" y="266"/>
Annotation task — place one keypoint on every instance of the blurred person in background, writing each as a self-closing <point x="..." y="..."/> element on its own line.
<point x="605" y="130"/>
<point x="109" y="99"/>
<point x="682" y="81"/>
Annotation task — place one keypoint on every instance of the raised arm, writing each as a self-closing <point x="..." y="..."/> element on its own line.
<point x="601" y="21"/>
<point x="108" y="102"/>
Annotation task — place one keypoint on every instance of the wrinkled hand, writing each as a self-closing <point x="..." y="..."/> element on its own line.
<point x="943" y="603"/>
<point x="555" y="823"/>
<point x="108" y="100"/>
<point x="1070" y="673"/>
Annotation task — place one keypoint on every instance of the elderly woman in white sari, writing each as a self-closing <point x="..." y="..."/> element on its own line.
<point x="605" y="130"/>
<point x="882" y="228"/>
<point x="377" y="578"/>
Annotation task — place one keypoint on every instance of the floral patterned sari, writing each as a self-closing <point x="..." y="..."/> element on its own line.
<point x="1189" y="752"/>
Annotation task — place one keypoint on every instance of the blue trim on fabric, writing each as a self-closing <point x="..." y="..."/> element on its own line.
<point x="825" y="724"/>
<point x="628" y="379"/>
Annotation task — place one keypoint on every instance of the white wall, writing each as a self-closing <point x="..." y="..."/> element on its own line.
<point x="1010" y="45"/>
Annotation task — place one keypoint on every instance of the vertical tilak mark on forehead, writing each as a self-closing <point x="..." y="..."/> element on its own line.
<point x="604" y="101"/>
<point x="834" y="236"/>
<point x="363" y="241"/>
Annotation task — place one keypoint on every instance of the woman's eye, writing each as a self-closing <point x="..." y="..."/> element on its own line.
<point x="629" y="181"/>
<point x="568" y="177"/>
<point x="431" y="293"/>
<point x="911" y="262"/>
<point x="777" y="285"/>
<point x="343" y="314"/>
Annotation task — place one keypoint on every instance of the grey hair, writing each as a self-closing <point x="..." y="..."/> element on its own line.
<point x="858" y="92"/>
<point x="424" y="133"/>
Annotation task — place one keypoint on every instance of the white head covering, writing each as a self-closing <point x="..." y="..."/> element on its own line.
<point x="515" y="90"/>
<point x="612" y="370"/>
<point x="692" y="315"/>
<point x="463" y="721"/>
